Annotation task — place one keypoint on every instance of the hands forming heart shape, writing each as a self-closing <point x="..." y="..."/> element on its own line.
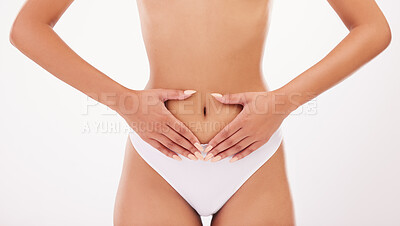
<point x="261" y="116"/>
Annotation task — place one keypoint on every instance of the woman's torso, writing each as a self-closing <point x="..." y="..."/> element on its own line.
<point x="208" y="46"/>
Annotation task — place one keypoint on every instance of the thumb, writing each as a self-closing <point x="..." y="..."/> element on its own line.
<point x="235" y="98"/>
<point x="173" y="94"/>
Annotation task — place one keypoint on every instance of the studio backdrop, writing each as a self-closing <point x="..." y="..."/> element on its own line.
<point x="61" y="153"/>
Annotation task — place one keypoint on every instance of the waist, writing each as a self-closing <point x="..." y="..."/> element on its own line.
<point x="202" y="113"/>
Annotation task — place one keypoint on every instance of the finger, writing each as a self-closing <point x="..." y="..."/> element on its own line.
<point x="184" y="131"/>
<point x="168" y="143"/>
<point x="240" y="146"/>
<point x="226" y="132"/>
<point x="227" y="143"/>
<point x="235" y="98"/>
<point x="183" y="142"/>
<point x="172" y="94"/>
<point x="157" y="145"/>
<point x="248" y="150"/>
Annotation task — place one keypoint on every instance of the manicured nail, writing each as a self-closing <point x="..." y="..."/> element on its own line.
<point x="234" y="159"/>
<point x="208" y="148"/>
<point x="189" y="92"/>
<point x="216" y="158"/>
<point x="198" y="146"/>
<point x="176" y="158"/>
<point x="192" y="157"/>
<point x="216" y="95"/>
<point x="208" y="156"/>
<point x="198" y="155"/>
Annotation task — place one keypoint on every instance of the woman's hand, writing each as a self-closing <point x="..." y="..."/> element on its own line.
<point x="262" y="114"/>
<point x="146" y="113"/>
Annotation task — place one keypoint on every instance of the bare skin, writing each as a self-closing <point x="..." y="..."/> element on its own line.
<point x="209" y="47"/>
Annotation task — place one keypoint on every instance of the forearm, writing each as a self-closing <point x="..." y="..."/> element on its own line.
<point x="39" y="42"/>
<point x="362" y="44"/>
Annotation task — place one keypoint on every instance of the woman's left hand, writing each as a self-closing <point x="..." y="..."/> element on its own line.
<point x="262" y="115"/>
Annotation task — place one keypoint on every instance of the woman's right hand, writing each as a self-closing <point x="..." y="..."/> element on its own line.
<point x="146" y="113"/>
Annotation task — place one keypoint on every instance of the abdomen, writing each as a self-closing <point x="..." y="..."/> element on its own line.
<point x="207" y="46"/>
<point x="203" y="114"/>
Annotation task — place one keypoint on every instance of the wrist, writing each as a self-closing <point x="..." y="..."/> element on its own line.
<point x="127" y="101"/>
<point x="292" y="99"/>
<point x="121" y="99"/>
<point x="282" y="103"/>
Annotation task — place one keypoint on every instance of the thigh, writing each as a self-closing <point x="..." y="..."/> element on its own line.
<point x="264" y="199"/>
<point x="145" y="198"/>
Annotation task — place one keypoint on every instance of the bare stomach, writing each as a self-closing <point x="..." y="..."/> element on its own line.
<point x="201" y="113"/>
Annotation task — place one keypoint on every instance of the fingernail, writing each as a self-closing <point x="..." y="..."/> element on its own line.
<point x="234" y="159"/>
<point x="198" y="146"/>
<point x="216" y="95"/>
<point x="208" y="156"/>
<point x="192" y="157"/>
<point x="176" y="158"/>
<point x="208" y="148"/>
<point x="189" y="92"/>
<point x="216" y="158"/>
<point x="198" y="155"/>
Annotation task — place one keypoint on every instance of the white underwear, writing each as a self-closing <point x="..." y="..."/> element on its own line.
<point x="214" y="182"/>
